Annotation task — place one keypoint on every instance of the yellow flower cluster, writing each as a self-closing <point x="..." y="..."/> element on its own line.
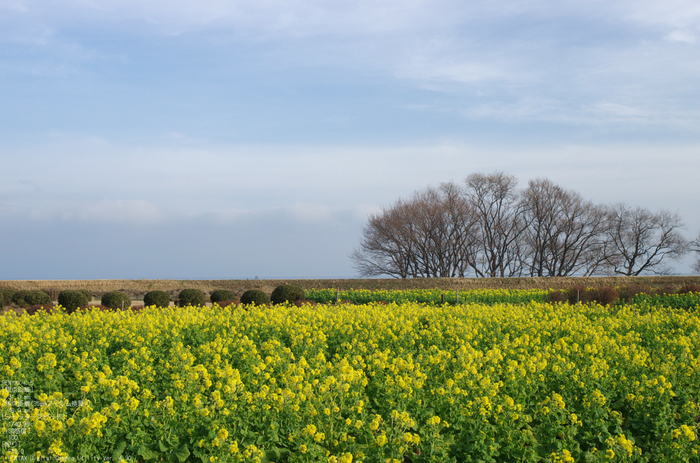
<point x="355" y="383"/>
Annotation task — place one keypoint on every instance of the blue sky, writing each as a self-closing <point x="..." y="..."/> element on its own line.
<point x="234" y="139"/>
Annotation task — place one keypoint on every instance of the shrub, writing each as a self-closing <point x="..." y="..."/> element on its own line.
<point x="33" y="309"/>
<point x="629" y="292"/>
<point x="24" y="298"/>
<point x="577" y="294"/>
<point x="604" y="295"/>
<point x="191" y="296"/>
<point x="71" y="300"/>
<point x="255" y="296"/>
<point x="689" y="289"/>
<point x="286" y="293"/>
<point x="87" y="293"/>
<point x="156" y="298"/>
<point x="18" y="298"/>
<point x="222" y="295"/>
<point x="5" y="297"/>
<point x="116" y="300"/>
<point x="557" y="295"/>
<point x="222" y="304"/>
<point x="665" y="289"/>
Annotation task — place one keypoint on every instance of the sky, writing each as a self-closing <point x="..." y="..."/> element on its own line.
<point x="252" y="138"/>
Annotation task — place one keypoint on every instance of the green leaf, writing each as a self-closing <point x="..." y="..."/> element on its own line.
<point x="182" y="453"/>
<point x="119" y="449"/>
<point x="277" y="454"/>
<point x="146" y="453"/>
<point x="273" y="454"/>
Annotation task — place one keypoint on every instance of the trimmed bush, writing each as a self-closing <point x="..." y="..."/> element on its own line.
<point x="156" y="298"/>
<point x="18" y="298"/>
<point x="25" y="298"/>
<point x="6" y="297"/>
<point x="192" y="297"/>
<point x="87" y="293"/>
<point x="255" y="296"/>
<point x="114" y="300"/>
<point x="71" y="300"/>
<point x="222" y="295"/>
<point x="287" y="293"/>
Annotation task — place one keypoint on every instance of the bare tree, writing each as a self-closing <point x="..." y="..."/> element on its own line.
<point x="448" y="231"/>
<point x="462" y="229"/>
<point x="695" y="247"/>
<point x="492" y="229"/>
<point x="387" y="243"/>
<point x="494" y="198"/>
<point x="639" y="241"/>
<point x="564" y="233"/>
<point x="430" y="235"/>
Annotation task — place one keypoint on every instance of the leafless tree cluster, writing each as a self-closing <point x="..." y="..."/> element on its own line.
<point x="430" y="235"/>
<point x="695" y="247"/>
<point x="489" y="228"/>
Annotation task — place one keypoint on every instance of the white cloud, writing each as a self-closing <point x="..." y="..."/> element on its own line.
<point x="615" y="111"/>
<point x="681" y="36"/>
<point x="363" y="211"/>
<point x="118" y="211"/>
<point x="309" y="212"/>
<point x="534" y="60"/>
<point x="227" y="216"/>
<point x="669" y="13"/>
<point x="243" y="183"/>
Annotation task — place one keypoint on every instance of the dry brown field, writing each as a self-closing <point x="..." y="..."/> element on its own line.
<point x="137" y="288"/>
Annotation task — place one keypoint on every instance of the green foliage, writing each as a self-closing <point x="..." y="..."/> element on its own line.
<point x="428" y="296"/>
<point x="192" y="297"/>
<point x="114" y="300"/>
<point x="18" y="297"/>
<point x="685" y="301"/>
<point x="255" y="296"/>
<point x="25" y="298"/>
<point x="156" y="298"/>
<point x="87" y="293"/>
<point x="286" y="293"/>
<point x="5" y="297"/>
<point x="71" y="300"/>
<point x="222" y="295"/>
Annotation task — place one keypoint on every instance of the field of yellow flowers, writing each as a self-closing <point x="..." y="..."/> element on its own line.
<point x="408" y="382"/>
